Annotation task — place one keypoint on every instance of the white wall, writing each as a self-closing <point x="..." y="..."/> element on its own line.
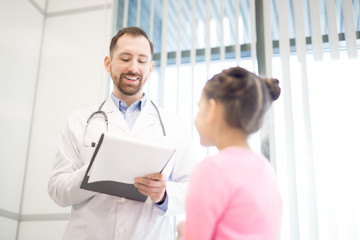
<point x="20" y="36"/>
<point x="51" y="62"/>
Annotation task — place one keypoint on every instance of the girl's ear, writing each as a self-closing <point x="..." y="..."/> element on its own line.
<point x="213" y="111"/>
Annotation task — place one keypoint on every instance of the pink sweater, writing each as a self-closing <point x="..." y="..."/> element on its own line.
<point x="233" y="195"/>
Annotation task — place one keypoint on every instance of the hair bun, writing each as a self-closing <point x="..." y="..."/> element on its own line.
<point x="274" y="88"/>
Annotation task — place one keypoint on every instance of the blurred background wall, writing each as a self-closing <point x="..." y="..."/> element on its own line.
<point x="51" y="61"/>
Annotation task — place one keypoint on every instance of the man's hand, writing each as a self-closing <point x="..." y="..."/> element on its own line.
<point x="180" y="230"/>
<point x="153" y="186"/>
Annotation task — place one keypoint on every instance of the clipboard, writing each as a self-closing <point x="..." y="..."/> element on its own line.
<point x="116" y="161"/>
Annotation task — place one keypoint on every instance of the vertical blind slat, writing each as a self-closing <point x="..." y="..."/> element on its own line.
<point x="207" y="48"/>
<point x="268" y="37"/>
<point x="222" y="45"/>
<point x="289" y="121"/>
<point x="178" y="53"/>
<point x="309" y="159"/>
<point x="332" y="29"/>
<point x="316" y="36"/>
<point x="284" y="32"/>
<point x="138" y="13"/>
<point x="163" y="62"/>
<point x="193" y="57"/>
<point x="311" y="191"/>
<point x="126" y="10"/>
<point x="359" y="19"/>
<point x="150" y="34"/>
<point x="299" y="31"/>
<point x="193" y="33"/>
<point x="350" y="35"/>
<point x="151" y="29"/>
<point x="237" y="41"/>
<point x="253" y="32"/>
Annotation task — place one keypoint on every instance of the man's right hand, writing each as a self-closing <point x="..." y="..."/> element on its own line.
<point x="180" y="229"/>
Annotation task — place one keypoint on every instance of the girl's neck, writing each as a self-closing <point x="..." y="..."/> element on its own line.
<point x="232" y="137"/>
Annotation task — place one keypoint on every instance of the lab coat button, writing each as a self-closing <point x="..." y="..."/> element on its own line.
<point x="122" y="200"/>
<point x="121" y="230"/>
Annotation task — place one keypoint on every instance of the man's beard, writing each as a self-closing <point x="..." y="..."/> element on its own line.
<point x="128" y="89"/>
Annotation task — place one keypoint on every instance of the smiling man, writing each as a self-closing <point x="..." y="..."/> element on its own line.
<point x="132" y="114"/>
<point x="130" y="64"/>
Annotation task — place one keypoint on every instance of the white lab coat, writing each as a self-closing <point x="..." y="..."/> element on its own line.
<point x="103" y="217"/>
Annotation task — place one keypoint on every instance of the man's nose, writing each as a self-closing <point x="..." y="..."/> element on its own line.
<point x="133" y="66"/>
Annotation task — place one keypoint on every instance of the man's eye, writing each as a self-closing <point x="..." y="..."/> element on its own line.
<point x="142" y="61"/>
<point x="125" y="59"/>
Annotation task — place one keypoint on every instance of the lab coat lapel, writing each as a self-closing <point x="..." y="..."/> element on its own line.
<point x="146" y="118"/>
<point x="116" y="119"/>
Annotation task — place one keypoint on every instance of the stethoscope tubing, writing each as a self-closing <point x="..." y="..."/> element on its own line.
<point x="99" y="111"/>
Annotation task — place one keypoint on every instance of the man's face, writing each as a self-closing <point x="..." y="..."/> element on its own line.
<point x="130" y="65"/>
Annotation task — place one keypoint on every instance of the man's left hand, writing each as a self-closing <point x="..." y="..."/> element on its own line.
<point x="153" y="186"/>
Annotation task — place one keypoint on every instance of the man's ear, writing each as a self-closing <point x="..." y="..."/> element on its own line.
<point x="152" y="64"/>
<point x="107" y="62"/>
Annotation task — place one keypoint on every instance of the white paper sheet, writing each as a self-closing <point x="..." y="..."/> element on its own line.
<point x="121" y="159"/>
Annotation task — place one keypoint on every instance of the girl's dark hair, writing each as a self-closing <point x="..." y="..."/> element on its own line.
<point x="133" y="31"/>
<point x="244" y="95"/>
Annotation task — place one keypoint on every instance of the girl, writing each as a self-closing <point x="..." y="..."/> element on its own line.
<point x="233" y="195"/>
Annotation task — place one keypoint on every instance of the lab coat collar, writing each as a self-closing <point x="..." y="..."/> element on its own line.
<point x="140" y="103"/>
<point x="148" y="116"/>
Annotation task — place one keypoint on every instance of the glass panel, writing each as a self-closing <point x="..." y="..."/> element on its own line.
<point x="185" y="25"/>
<point x="244" y="22"/>
<point x="132" y="13"/>
<point x="157" y="30"/>
<point x="200" y="24"/>
<point x="145" y="16"/>
<point x="171" y="89"/>
<point x="215" y="21"/>
<point x="172" y="24"/>
<point x="323" y="19"/>
<point x="332" y="90"/>
<point x="152" y="85"/>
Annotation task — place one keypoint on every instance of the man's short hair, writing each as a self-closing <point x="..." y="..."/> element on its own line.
<point x="133" y="31"/>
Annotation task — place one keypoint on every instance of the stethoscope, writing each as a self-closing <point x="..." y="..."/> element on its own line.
<point x="104" y="116"/>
